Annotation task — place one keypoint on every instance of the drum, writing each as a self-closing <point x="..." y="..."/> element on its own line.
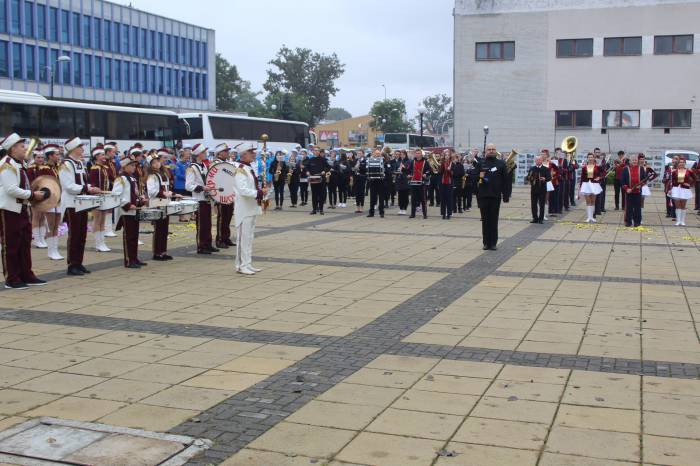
<point x="189" y="206"/>
<point x="220" y="179"/>
<point x="87" y="202"/>
<point x="109" y="201"/>
<point x="174" y="208"/>
<point x="315" y="179"/>
<point x="415" y="183"/>
<point x="375" y="168"/>
<point x="150" y="215"/>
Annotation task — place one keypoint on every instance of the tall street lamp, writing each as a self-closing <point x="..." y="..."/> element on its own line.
<point x="384" y="86"/>
<point x="53" y="68"/>
<point x="421" y="113"/>
<point x="486" y="133"/>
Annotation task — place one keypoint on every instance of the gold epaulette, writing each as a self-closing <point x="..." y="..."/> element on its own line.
<point x="95" y="167"/>
<point x="241" y="170"/>
<point x="7" y="166"/>
<point x="119" y="180"/>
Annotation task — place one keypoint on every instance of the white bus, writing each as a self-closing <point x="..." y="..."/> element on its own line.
<point x="406" y="141"/>
<point x="215" y="128"/>
<point x="55" y="121"/>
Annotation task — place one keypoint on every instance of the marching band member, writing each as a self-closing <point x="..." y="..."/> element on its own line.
<point x="317" y="166"/>
<point x="620" y="164"/>
<point x="571" y="180"/>
<point x="377" y="188"/>
<point x="158" y="186"/>
<point x="195" y="183"/>
<point x="99" y="178"/>
<point x="303" y="178"/>
<point x="293" y="178"/>
<point x="472" y="179"/>
<point x="402" y="186"/>
<point x="112" y="156"/>
<point x="605" y="167"/>
<point x="633" y="178"/>
<point x="495" y="183"/>
<point x="343" y="169"/>
<point x="127" y="187"/>
<point x="224" y="211"/>
<point x="682" y="180"/>
<point x="591" y="176"/>
<point x="554" y="195"/>
<point x="333" y="178"/>
<point x="359" y="182"/>
<point x="15" y="225"/>
<point x="458" y="174"/>
<point x="651" y="176"/>
<point x="668" y="186"/>
<point x="249" y="197"/>
<point x="446" y="188"/>
<point x="538" y="177"/>
<point x="38" y="228"/>
<point x="562" y="193"/>
<point x="418" y="177"/>
<point x="74" y="182"/>
<point x="279" y="171"/>
<point x="53" y="216"/>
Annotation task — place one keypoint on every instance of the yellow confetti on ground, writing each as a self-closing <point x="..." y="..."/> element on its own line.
<point x="694" y="239"/>
<point x="640" y="229"/>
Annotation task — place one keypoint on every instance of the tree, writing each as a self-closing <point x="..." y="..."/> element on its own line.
<point x="288" y="106"/>
<point x="249" y="102"/>
<point x="306" y="75"/>
<point x="439" y="113"/>
<point x="336" y="114"/>
<point x="228" y="84"/>
<point x="388" y="116"/>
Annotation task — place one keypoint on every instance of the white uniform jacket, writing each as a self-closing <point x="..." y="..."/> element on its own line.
<point x="73" y="177"/>
<point x="12" y="197"/>
<point x="153" y="185"/>
<point x="122" y="188"/>
<point x="195" y="176"/>
<point x="246" y="195"/>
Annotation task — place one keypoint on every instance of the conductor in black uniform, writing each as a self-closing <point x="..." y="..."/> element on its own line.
<point x="495" y="183"/>
<point x="538" y="177"/>
<point x="317" y="166"/>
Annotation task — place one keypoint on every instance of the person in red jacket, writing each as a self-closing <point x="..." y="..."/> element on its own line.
<point x="682" y="179"/>
<point x="619" y="164"/>
<point x="591" y="177"/>
<point x="634" y="176"/>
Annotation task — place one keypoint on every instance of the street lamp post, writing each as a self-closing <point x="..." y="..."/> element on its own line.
<point x="52" y="72"/>
<point x="421" y="113"/>
<point x="486" y="133"/>
<point x="384" y="86"/>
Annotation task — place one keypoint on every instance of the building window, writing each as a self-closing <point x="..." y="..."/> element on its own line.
<point x="28" y="19"/>
<point x="3" y="16"/>
<point x="161" y="81"/>
<point x="153" y="45"/>
<point x="107" y="37"/>
<point x="205" y="87"/>
<point x="134" y="77"/>
<point x="76" y="29"/>
<point x="574" y="118"/>
<point x="671" y="118"/>
<point x="29" y="59"/>
<point x="183" y="44"/>
<point x="77" y="69"/>
<point x="65" y="68"/>
<point x="495" y="51"/>
<point x="87" y="71"/>
<point x="127" y="81"/>
<point x="152" y="80"/>
<point x="98" y="72"/>
<point x="116" y="38"/>
<point x="134" y="42"/>
<point x="87" y="36"/>
<point x="108" y="73"/>
<point x="43" y="64"/>
<point x="567" y="48"/>
<point x="17" y="61"/>
<point x="666" y="45"/>
<point x="53" y="24"/>
<point x="173" y="49"/>
<point x="125" y="39"/>
<point x="620" y="118"/>
<point x="160" y="46"/>
<point x="97" y="33"/>
<point x="41" y="21"/>
<point x="117" y="75"/>
<point x="65" y="20"/>
<point x="142" y="43"/>
<point x="53" y="66"/>
<point x="621" y="46"/>
<point x="14" y="17"/>
<point x="168" y="81"/>
<point x="4" y="68"/>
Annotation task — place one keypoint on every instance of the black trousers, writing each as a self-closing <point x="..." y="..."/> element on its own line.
<point x="279" y="194"/>
<point x="457" y="197"/>
<point x="619" y="192"/>
<point x="294" y="192"/>
<point x="697" y="194"/>
<point x="537" y="201"/>
<point x="604" y="185"/>
<point x="446" y="200"/>
<point x="304" y="192"/>
<point x="565" y="186"/>
<point x="572" y="190"/>
<point x="554" y="200"/>
<point x="332" y="194"/>
<point x="403" y="199"/>
<point x="418" y="197"/>
<point x="223" y="222"/>
<point x="343" y="192"/>
<point x="468" y="194"/>
<point x="318" y="196"/>
<point x="433" y="194"/>
<point x="377" y="195"/>
<point x="130" y="239"/>
<point x="634" y="209"/>
<point x="490" y="209"/>
<point x="360" y="182"/>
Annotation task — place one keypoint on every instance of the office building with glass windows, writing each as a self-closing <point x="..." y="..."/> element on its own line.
<point x="618" y="74"/>
<point x="97" y="51"/>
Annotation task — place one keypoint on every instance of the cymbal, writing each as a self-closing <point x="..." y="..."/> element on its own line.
<point x="53" y="200"/>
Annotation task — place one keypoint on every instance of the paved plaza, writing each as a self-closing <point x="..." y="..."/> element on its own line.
<point x="380" y="342"/>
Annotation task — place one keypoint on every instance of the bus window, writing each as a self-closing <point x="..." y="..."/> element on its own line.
<point x="24" y="120"/>
<point x="191" y="128"/>
<point x="395" y="138"/>
<point x="57" y="122"/>
<point x="413" y="141"/>
<point x="122" y="125"/>
<point x="152" y="127"/>
<point x="97" y="123"/>
<point x="82" y="129"/>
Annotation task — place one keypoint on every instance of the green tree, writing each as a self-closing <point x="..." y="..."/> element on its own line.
<point x="308" y="76"/>
<point x="336" y="114"/>
<point x="248" y="101"/>
<point x="288" y="106"/>
<point x="228" y="84"/>
<point x="439" y="114"/>
<point x="388" y="116"/>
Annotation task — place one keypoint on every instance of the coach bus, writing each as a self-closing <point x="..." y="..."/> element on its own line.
<point x="215" y="128"/>
<point x="55" y="121"/>
<point x="406" y="141"/>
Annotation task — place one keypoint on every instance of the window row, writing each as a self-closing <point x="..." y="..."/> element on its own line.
<point x="57" y="25"/>
<point x="623" y="118"/>
<point x="612" y="47"/>
<point x="33" y="63"/>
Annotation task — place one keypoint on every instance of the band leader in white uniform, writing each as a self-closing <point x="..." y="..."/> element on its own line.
<point x="246" y="209"/>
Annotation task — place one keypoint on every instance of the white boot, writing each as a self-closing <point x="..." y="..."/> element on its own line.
<point x="100" y="245"/>
<point x="678" y="217"/>
<point x="52" y="243"/>
<point x="37" y="238"/>
<point x="109" y="230"/>
<point x="42" y="237"/>
<point x="683" y="212"/>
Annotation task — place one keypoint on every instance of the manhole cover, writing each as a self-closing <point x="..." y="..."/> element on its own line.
<point x="50" y="441"/>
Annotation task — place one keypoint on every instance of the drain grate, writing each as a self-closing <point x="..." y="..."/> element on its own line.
<point x="50" y="441"/>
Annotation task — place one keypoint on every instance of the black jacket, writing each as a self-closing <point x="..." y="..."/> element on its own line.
<point x="497" y="182"/>
<point x="316" y="165"/>
<point x="533" y="177"/>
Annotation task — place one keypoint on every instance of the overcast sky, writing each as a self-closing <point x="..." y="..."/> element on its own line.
<point x="406" y="44"/>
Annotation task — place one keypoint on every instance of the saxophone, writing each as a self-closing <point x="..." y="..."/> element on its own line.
<point x="290" y="171"/>
<point x="278" y="172"/>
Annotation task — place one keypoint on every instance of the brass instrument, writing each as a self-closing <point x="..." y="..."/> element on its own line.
<point x="569" y="145"/>
<point x="33" y="143"/>
<point x="433" y="162"/>
<point x="290" y="172"/>
<point x="265" y="202"/>
<point x="278" y="172"/>
<point x="510" y="160"/>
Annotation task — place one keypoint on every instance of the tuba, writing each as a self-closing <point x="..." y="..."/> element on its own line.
<point x="433" y="162"/>
<point x="510" y="160"/>
<point x="33" y="144"/>
<point x="569" y="144"/>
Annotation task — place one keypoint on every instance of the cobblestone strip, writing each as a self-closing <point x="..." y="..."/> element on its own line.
<point x="165" y="328"/>
<point x="593" y="278"/>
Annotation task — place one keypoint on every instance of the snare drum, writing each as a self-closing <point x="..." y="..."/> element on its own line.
<point x="375" y="168"/>
<point x="315" y="179"/>
<point x="415" y="183"/>
<point x="174" y="208"/>
<point x="87" y="202"/>
<point x="189" y="206"/>
<point x="109" y="201"/>
<point x="150" y="215"/>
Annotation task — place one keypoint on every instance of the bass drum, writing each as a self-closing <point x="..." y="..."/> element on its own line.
<point x="220" y="179"/>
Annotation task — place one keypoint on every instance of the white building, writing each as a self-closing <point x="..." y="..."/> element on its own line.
<point x="617" y="74"/>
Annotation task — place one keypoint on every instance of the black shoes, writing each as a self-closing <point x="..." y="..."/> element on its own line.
<point x="75" y="272"/>
<point x="412" y="216"/>
<point x="221" y="245"/>
<point x="36" y="282"/>
<point x="321" y="212"/>
<point x="229" y="243"/>
<point x="313" y="212"/>
<point x="381" y="215"/>
<point x="212" y="249"/>
<point x="486" y="248"/>
<point x="204" y="251"/>
<point x="83" y="269"/>
<point x="16" y="286"/>
<point x="162" y="258"/>
<point x="534" y="220"/>
<point x="370" y="215"/>
<point x="133" y="266"/>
